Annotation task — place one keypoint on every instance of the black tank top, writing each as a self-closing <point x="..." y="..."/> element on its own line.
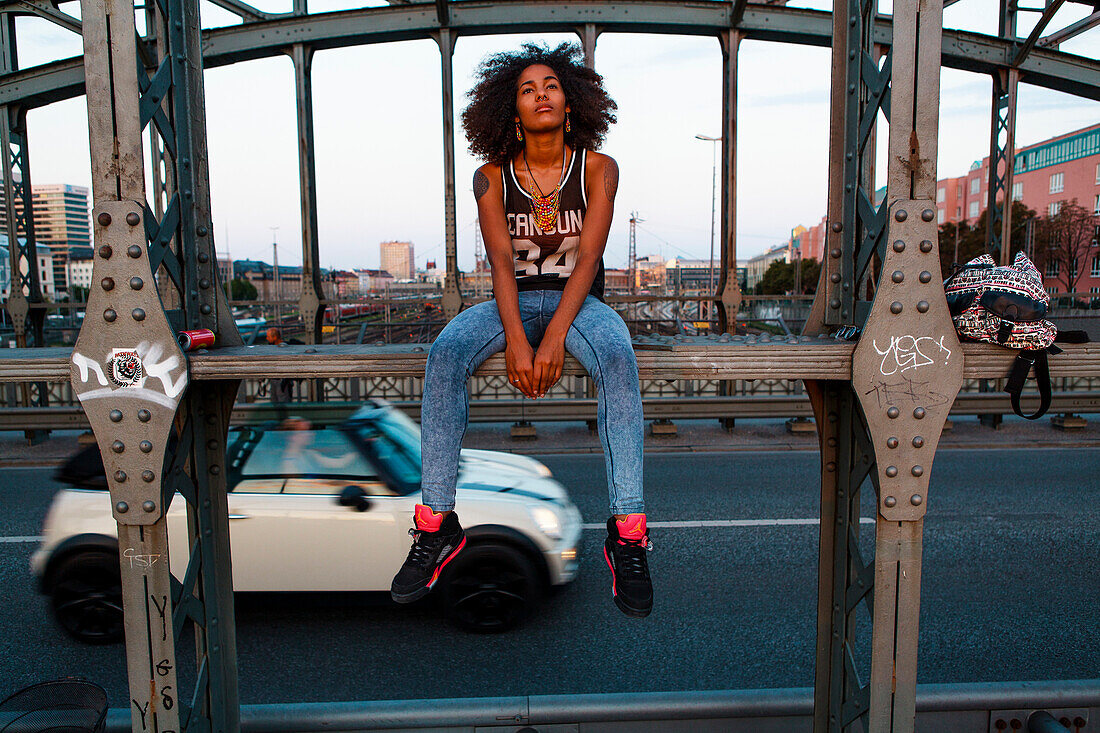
<point x="544" y="260"/>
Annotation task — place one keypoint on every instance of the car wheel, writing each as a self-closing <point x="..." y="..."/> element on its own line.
<point x="86" y="596"/>
<point x="490" y="587"/>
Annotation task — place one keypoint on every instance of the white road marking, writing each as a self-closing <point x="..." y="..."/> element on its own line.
<point x="673" y="525"/>
<point x="734" y="523"/>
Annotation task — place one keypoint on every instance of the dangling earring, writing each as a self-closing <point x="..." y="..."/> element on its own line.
<point x="519" y="132"/>
<point x="567" y="122"/>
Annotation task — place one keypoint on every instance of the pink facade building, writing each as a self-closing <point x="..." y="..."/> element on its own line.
<point x="1063" y="168"/>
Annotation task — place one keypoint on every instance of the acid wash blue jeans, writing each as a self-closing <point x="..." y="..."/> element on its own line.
<point x="598" y="339"/>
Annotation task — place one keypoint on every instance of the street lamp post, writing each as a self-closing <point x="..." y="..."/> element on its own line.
<point x="713" y="198"/>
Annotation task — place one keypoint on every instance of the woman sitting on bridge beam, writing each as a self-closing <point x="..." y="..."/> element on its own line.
<point x="545" y="200"/>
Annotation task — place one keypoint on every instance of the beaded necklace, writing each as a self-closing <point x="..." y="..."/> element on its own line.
<point x="544" y="207"/>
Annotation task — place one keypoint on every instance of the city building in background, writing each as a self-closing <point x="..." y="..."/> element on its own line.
<point x="1046" y="176"/>
<point x="397" y="259"/>
<point x="374" y="282"/>
<point x="758" y="265"/>
<point x="1063" y="168"/>
<point x="61" y="221"/>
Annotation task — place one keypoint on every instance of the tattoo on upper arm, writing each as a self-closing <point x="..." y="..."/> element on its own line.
<point x="481" y="184"/>
<point x="611" y="179"/>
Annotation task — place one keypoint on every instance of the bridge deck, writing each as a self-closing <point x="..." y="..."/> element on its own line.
<point x="698" y="358"/>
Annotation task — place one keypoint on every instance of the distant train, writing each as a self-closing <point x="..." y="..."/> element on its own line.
<point x="352" y="310"/>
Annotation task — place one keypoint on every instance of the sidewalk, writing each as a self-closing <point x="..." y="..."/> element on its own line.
<point x="691" y="436"/>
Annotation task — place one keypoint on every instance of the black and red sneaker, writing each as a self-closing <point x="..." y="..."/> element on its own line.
<point x="436" y="541"/>
<point x="625" y="551"/>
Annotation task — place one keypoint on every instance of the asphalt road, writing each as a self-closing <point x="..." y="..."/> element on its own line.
<point x="1011" y="589"/>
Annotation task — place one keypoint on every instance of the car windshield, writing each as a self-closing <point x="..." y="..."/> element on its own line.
<point x="399" y="428"/>
<point x="395" y="441"/>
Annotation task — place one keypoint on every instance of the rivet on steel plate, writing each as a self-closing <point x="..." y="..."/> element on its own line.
<point x="916" y="499"/>
<point x="138" y="314"/>
<point x="892" y="412"/>
<point x="899" y="246"/>
<point x="134" y="251"/>
<point x="895" y="307"/>
<point x="918" y="413"/>
<point x="891" y="471"/>
<point x="115" y="415"/>
<point x="122" y="507"/>
<point x="918" y="442"/>
<point x="837" y="227"/>
<point x="835" y="252"/>
<point x="928" y="215"/>
<point x="118" y="446"/>
<point x="835" y="277"/>
<point x="109" y="315"/>
<point x="891" y="442"/>
<point x="105" y="252"/>
<point x="211" y="444"/>
<point x="834" y="303"/>
<point x="144" y="415"/>
<point x="901" y="215"/>
<point x="107" y="283"/>
<point x="201" y="231"/>
<point x="136" y="283"/>
<point x="926" y="277"/>
<point x="830" y="466"/>
<point x="831" y="442"/>
<point x="133" y="219"/>
<point x="145" y="446"/>
<point x="215" y="469"/>
<point x="203" y="257"/>
<point x="925" y="246"/>
<point x="104" y="219"/>
<point x="206" y="309"/>
<point x="917" y="471"/>
<point x="120" y="476"/>
<point x="897" y="276"/>
<point x="922" y="307"/>
<point x="890" y="502"/>
<point x="149" y="506"/>
<point x="204" y="283"/>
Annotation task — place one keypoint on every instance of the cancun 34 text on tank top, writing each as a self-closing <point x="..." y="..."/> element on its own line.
<point x="545" y="260"/>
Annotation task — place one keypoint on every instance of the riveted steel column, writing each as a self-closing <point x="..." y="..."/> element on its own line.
<point x="588" y="35"/>
<point x="728" y="296"/>
<point x="22" y="255"/>
<point x="452" y="299"/>
<point x="309" y="299"/>
<point x="907" y="366"/>
<point x="127" y="370"/>
<point x="1002" y="153"/>
<point x="857" y="226"/>
<point x="206" y="594"/>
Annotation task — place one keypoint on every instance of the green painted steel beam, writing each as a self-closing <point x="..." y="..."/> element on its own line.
<point x="963" y="50"/>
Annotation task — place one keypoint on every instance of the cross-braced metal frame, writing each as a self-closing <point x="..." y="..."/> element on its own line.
<point x="162" y="431"/>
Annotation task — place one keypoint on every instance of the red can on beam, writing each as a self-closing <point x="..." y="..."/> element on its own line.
<point x="197" y="339"/>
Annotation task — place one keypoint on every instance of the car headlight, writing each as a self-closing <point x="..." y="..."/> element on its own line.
<point x="547" y="520"/>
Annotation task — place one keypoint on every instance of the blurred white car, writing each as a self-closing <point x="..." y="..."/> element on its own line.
<point x="328" y="509"/>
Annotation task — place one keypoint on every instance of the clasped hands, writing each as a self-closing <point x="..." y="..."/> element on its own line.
<point x="534" y="372"/>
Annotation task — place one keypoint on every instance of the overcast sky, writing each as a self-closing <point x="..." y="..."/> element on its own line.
<point x="378" y="127"/>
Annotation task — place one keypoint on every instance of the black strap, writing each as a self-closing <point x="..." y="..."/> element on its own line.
<point x="1025" y="360"/>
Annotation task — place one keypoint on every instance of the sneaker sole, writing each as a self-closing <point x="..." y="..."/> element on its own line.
<point x="419" y="593"/>
<point x="626" y="608"/>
